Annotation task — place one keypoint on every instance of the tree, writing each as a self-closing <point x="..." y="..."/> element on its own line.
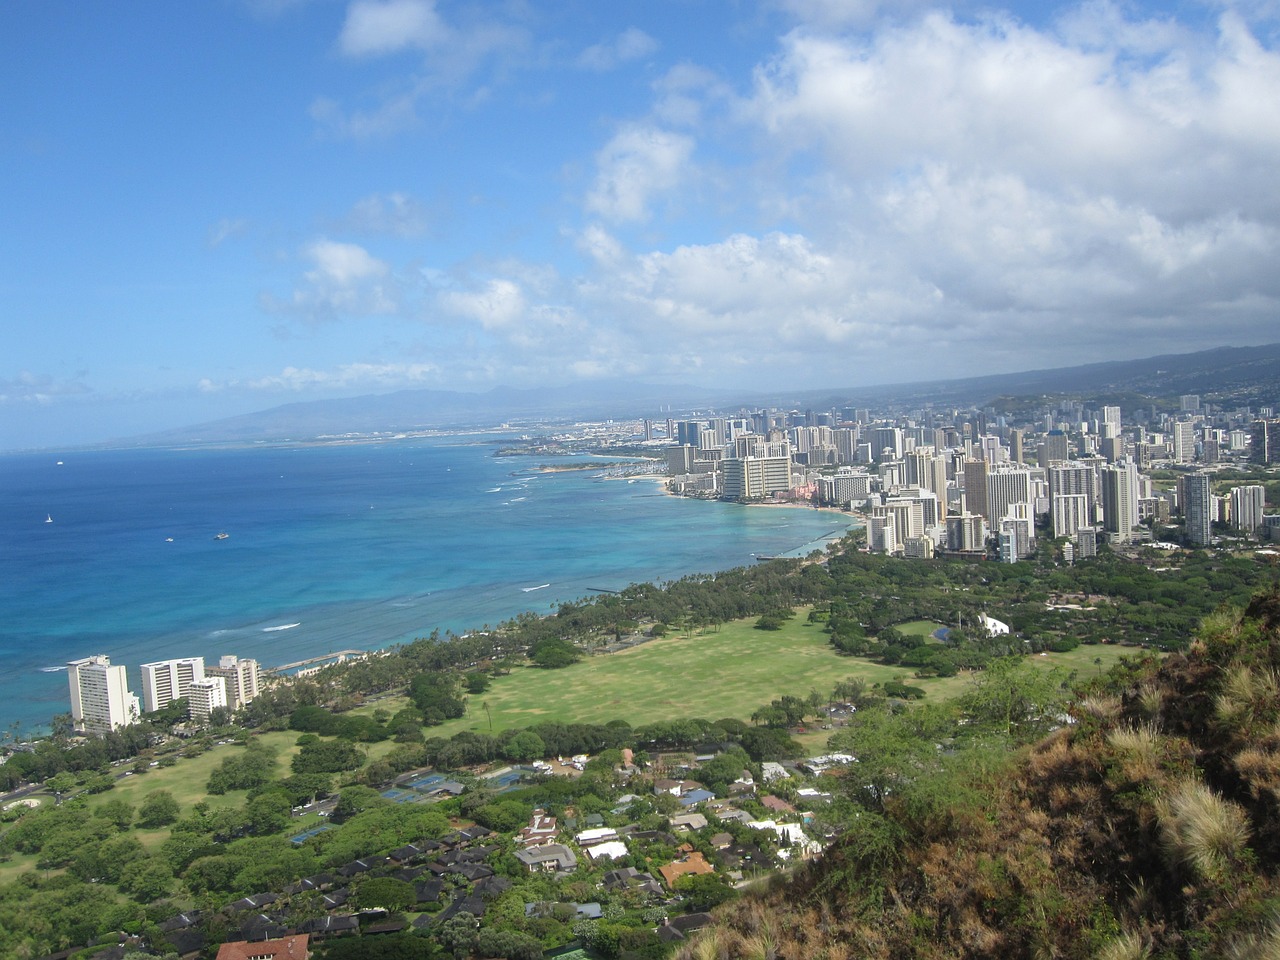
<point x="158" y="809"/>
<point x="385" y="892"/>
<point x="327" y="756"/>
<point x="554" y="654"/>
<point x="524" y="746"/>
<point x="1017" y="698"/>
<point x="147" y="879"/>
<point x="702" y="891"/>
<point x="119" y="813"/>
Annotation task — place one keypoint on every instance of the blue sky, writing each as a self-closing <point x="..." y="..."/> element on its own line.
<point x="214" y="208"/>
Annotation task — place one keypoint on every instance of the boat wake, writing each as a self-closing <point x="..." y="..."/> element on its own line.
<point x="53" y="669"/>
<point x="283" y="626"/>
<point x="542" y="586"/>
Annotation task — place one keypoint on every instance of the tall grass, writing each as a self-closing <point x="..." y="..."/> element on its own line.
<point x="1201" y="830"/>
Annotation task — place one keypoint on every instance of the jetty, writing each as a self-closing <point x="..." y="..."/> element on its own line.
<point x="316" y="662"/>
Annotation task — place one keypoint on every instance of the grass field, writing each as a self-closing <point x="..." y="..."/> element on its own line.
<point x="920" y="628"/>
<point x="729" y="672"/>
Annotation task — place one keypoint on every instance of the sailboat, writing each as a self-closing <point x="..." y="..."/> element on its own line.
<point x="48" y="518"/>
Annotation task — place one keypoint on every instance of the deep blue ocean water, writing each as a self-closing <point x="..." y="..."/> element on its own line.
<point x="329" y="547"/>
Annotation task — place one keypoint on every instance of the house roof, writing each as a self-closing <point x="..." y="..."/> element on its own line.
<point x="548" y="853"/>
<point x="286" y="948"/>
<point x="693" y="863"/>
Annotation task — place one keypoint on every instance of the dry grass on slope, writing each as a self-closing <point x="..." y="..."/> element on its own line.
<point x="1149" y="828"/>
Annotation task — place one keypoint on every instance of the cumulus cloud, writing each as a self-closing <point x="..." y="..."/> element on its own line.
<point x="498" y="304"/>
<point x="632" y="44"/>
<point x="345" y="280"/>
<point x="884" y="192"/>
<point x="384" y="26"/>
<point x="641" y="162"/>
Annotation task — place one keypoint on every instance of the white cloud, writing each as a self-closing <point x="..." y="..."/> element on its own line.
<point x="632" y="44"/>
<point x="345" y="281"/>
<point x="348" y="376"/>
<point x="376" y="27"/>
<point x="874" y="202"/>
<point x="451" y="52"/>
<point x="395" y="214"/>
<point x="498" y="304"/>
<point x="638" y="164"/>
<point x="40" y="389"/>
<point x="226" y="229"/>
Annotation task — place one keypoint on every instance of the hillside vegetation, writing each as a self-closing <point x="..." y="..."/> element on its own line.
<point x="1146" y="827"/>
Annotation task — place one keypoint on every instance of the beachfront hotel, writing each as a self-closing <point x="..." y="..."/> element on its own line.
<point x="100" y="697"/>
<point x="205" y="696"/>
<point x="242" y="678"/>
<point x="167" y="680"/>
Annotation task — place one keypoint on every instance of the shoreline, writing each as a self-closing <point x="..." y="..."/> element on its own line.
<point x="588" y="546"/>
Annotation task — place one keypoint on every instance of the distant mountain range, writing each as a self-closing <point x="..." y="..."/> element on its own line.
<point x="1226" y="376"/>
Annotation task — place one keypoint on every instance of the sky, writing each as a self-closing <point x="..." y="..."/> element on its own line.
<point x="217" y="207"/>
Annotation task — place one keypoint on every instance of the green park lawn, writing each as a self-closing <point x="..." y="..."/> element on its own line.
<point x="727" y="672"/>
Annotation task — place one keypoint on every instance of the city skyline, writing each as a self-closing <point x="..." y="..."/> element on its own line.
<point x="218" y="209"/>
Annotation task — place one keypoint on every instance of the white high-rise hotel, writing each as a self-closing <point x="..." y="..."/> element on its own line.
<point x="100" y="697"/>
<point x="167" y="680"/>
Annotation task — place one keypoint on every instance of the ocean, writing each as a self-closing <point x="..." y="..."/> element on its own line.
<point x="329" y="547"/>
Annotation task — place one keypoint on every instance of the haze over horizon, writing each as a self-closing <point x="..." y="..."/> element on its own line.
<point x="215" y="209"/>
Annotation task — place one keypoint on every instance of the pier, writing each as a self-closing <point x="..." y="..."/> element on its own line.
<point x="317" y="662"/>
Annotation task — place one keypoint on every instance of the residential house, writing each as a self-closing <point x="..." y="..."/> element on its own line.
<point x="615" y="849"/>
<point x="692" y="863"/>
<point x="548" y="857"/>
<point x="541" y="829"/>
<point x="285" y="948"/>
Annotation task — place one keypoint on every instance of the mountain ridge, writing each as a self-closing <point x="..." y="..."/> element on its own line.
<point x="1239" y="374"/>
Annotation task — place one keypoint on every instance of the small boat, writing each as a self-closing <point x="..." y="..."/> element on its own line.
<point x="168" y="539"/>
<point x="48" y="518"/>
<point x="221" y="536"/>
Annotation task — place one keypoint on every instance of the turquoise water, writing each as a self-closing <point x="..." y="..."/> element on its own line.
<point x="329" y="547"/>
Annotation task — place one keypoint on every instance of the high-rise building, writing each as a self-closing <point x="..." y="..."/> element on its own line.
<point x="1120" y="494"/>
<point x="1054" y="448"/>
<point x="1247" y="505"/>
<point x="100" y="697"/>
<point x="928" y="470"/>
<point x="1017" y="533"/>
<point x="1016" y="438"/>
<point x="1184" y="441"/>
<point x="882" y="535"/>
<point x="1189" y="403"/>
<point x="1111" y="415"/>
<point x="167" y="680"/>
<point x="205" y="696"/>
<point x="1068" y="513"/>
<point x="1198" y="508"/>
<point x="885" y="442"/>
<point x="750" y="478"/>
<point x="1070" y="479"/>
<point x="1264" y="441"/>
<point x="243" y="679"/>
<point x="966" y="532"/>
<point x="975" y="487"/>
<point x="1004" y="489"/>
